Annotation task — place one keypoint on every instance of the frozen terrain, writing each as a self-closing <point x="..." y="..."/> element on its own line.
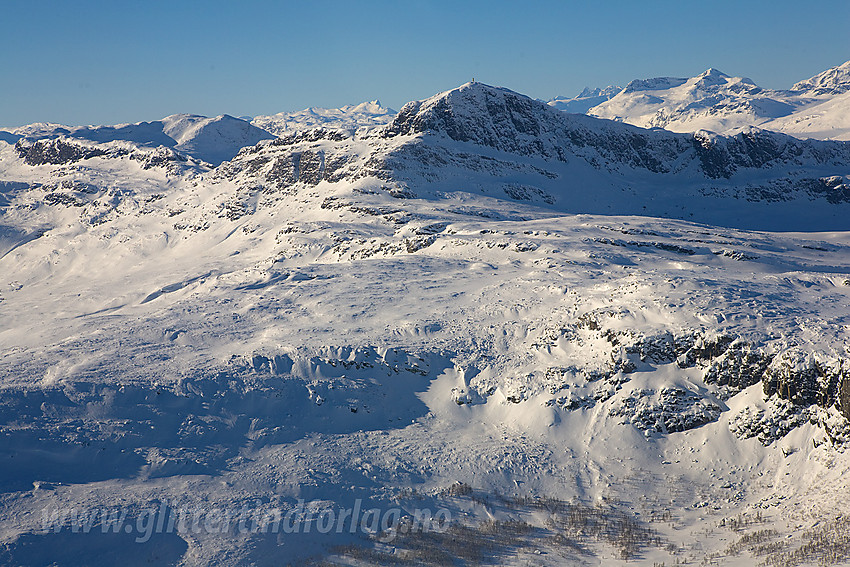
<point x="591" y="343"/>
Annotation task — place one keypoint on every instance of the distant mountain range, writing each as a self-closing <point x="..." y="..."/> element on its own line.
<point x="212" y="140"/>
<point x="366" y="114"/>
<point x="818" y="107"/>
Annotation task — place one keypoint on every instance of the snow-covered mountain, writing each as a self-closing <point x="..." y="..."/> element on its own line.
<point x="714" y="101"/>
<point x="486" y="307"/>
<point x="213" y="140"/>
<point x="710" y="101"/>
<point x="585" y="100"/>
<point x="494" y="142"/>
<point x="350" y="117"/>
<point x="822" y="120"/>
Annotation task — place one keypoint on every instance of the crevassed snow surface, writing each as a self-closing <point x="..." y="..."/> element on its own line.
<point x="330" y="316"/>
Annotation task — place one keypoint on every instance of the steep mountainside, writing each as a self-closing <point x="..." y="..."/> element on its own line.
<point x="833" y="81"/>
<point x="425" y="319"/>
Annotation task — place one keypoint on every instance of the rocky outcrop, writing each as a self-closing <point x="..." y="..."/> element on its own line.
<point x="56" y="152"/>
<point x="64" y="151"/>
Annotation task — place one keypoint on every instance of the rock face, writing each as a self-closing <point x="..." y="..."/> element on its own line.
<point x="512" y="123"/>
<point x="63" y="151"/>
<point x="844" y="396"/>
<point x="56" y="152"/>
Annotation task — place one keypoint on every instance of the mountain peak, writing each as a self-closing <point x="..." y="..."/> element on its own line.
<point x="473" y="111"/>
<point x="371" y="107"/>
<point x="711" y="77"/>
<point x="712" y="72"/>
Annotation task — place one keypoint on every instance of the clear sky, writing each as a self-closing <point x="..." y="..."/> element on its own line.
<point x="103" y="62"/>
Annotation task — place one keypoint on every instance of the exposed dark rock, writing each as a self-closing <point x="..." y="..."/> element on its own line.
<point x="796" y="377"/>
<point x="769" y="425"/>
<point x="668" y="411"/>
<point x="739" y="366"/>
<point x="55" y="152"/>
<point x="844" y="396"/>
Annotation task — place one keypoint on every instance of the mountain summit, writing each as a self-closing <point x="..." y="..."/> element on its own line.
<point x="711" y="100"/>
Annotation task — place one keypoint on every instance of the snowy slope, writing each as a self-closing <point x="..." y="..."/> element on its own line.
<point x="833" y="81"/>
<point x="213" y="140"/>
<point x="426" y="316"/>
<point x="350" y="117"/>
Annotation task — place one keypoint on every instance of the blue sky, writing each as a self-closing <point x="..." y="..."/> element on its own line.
<point x="98" y="62"/>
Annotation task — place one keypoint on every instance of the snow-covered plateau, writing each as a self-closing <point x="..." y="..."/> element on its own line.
<point x="513" y="335"/>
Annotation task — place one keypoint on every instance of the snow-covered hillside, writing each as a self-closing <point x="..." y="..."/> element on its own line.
<point x="350" y="117"/>
<point x="833" y="81"/>
<point x="813" y="108"/>
<point x="488" y="307"/>
<point x="823" y="120"/>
